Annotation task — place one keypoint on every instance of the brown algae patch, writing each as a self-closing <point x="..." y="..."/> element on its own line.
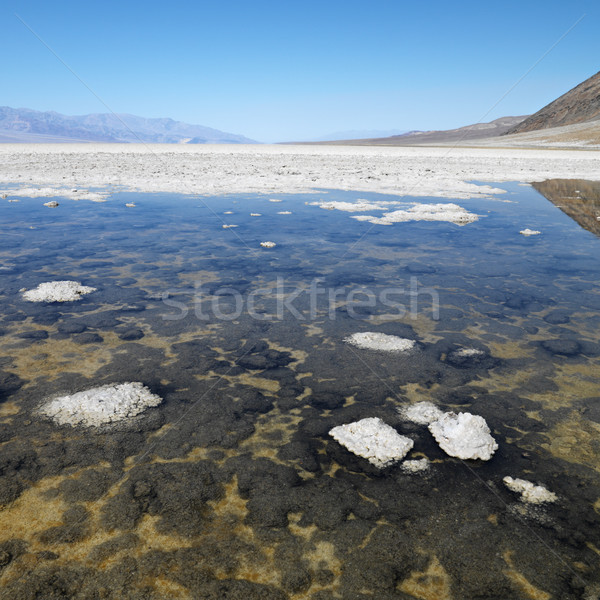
<point x="575" y="440"/>
<point x="520" y="581"/>
<point x="431" y="584"/>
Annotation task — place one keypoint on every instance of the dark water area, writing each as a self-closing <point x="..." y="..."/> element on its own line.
<point x="232" y="487"/>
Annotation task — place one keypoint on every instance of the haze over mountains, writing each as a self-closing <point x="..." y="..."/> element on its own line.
<point x="26" y="125"/>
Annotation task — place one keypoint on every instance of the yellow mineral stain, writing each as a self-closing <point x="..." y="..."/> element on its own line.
<point x="432" y="584"/>
<point x="493" y="519"/>
<point x="521" y="582"/>
<point x="305" y="533"/>
<point x="8" y="409"/>
<point x="574" y="440"/>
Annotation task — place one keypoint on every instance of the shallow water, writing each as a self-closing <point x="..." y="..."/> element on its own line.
<point x="232" y="487"/>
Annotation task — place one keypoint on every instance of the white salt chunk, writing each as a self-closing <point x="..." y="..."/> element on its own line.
<point x="371" y="340"/>
<point x="415" y="466"/>
<point x="451" y="213"/>
<point x="529" y="232"/>
<point x="464" y="436"/>
<point x="468" y="352"/>
<point x="255" y="215"/>
<point x="228" y="226"/>
<point x="268" y="244"/>
<point x="51" y="204"/>
<point x="284" y="212"/>
<point x="530" y="493"/>
<point x="58" y="291"/>
<point x="374" y="440"/>
<point x="101" y="405"/>
<point x="422" y="413"/>
<point x="130" y="205"/>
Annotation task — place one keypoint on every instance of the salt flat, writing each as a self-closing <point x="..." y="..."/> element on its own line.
<point x="442" y="172"/>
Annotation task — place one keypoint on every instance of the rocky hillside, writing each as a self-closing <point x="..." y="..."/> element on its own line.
<point x="578" y="105"/>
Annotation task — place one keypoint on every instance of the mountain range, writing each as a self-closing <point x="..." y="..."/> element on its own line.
<point x="26" y="125"/>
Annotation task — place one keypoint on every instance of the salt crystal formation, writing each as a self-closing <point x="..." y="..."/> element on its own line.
<point x="418" y="465"/>
<point x="255" y="215"/>
<point x="228" y="226"/>
<point x="468" y="352"/>
<point x="464" y="436"/>
<point x="422" y="413"/>
<point x="529" y="232"/>
<point x="130" y="204"/>
<point x="51" y="204"/>
<point x="374" y="440"/>
<point x="268" y="244"/>
<point x="371" y="340"/>
<point x="530" y="493"/>
<point x="101" y="405"/>
<point x="58" y="291"/>
<point x="451" y="213"/>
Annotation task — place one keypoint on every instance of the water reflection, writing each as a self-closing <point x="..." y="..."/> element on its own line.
<point x="577" y="198"/>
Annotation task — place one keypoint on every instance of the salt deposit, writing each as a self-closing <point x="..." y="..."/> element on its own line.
<point x="58" y="190"/>
<point x="530" y="493"/>
<point x="276" y="169"/>
<point x="468" y="352"/>
<point x="130" y="204"/>
<point x="51" y="204"/>
<point x="529" y="232"/>
<point x="358" y="206"/>
<point x="268" y="244"/>
<point x="284" y="212"/>
<point x="418" y="465"/>
<point x="255" y="215"/>
<point x="58" y="291"/>
<point x="422" y="413"/>
<point x="371" y="340"/>
<point x="450" y="213"/>
<point x="101" y="405"/>
<point x="464" y="436"/>
<point x="374" y="440"/>
<point x="228" y="226"/>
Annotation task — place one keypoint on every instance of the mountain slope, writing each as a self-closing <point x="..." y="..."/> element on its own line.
<point x="461" y="134"/>
<point x="578" y="105"/>
<point x="23" y="124"/>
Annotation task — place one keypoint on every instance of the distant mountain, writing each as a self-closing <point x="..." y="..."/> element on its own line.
<point x="462" y="134"/>
<point x="579" y="105"/>
<point x="25" y="125"/>
<point x="355" y="134"/>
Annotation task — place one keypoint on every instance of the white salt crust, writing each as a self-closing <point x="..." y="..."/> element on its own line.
<point x="418" y="465"/>
<point x="268" y="244"/>
<point x="530" y="493"/>
<point x="450" y="213"/>
<point x="276" y="169"/>
<point x="371" y="340"/>
<point x="421" y="413"/>
<point x="374" y="440"/>
<point x="529" y="232"/>
<point x="468" y="352"/>
<point x="58" y="291"/>
<point x="464" y="436"/>
<point x="51" y="204"/>
<point x="101" y="405"/>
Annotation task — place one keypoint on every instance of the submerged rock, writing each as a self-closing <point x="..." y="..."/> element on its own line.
<point x="374" y="440"/>
<point x="101" y="406"/>
<point x="530" y="493"/>
<point x="58" y="291"/>
<point x="371" y="340"/>
<point x="464" y="436"/>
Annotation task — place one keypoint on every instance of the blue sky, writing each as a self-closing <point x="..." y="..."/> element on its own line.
<point x="277" y="71"/>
